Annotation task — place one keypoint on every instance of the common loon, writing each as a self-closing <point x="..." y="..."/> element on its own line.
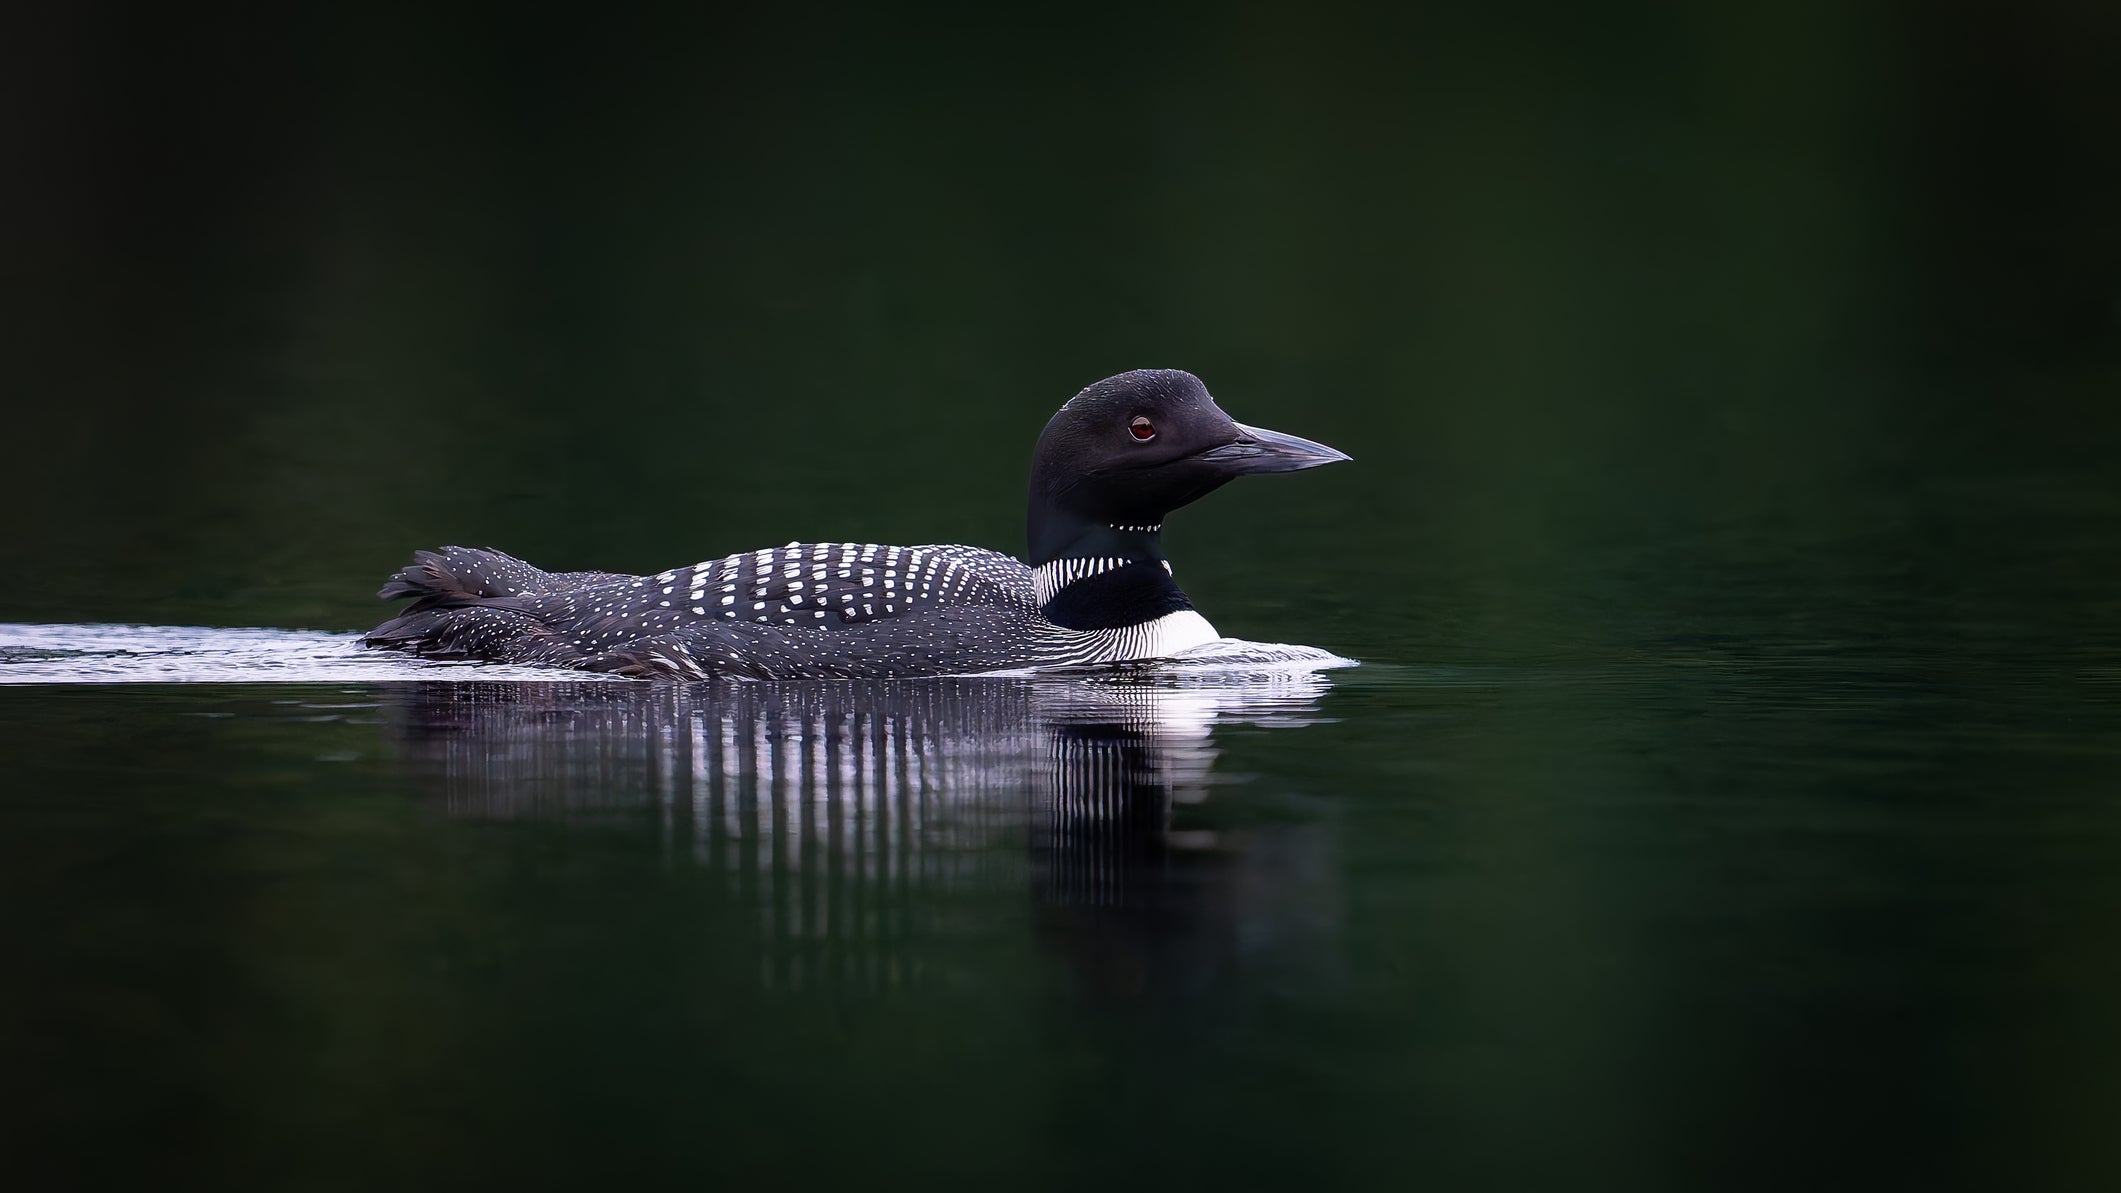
<point x="1115" y="460"/>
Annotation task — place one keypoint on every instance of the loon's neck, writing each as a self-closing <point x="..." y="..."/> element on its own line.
<point x="1095" y="576"/>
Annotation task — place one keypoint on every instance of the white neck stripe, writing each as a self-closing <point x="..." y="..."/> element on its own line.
<point x="1159" y="638"/>
<point x="1050" y="577"/>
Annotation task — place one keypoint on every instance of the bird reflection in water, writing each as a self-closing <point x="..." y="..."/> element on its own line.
<point x="872" y="824"/>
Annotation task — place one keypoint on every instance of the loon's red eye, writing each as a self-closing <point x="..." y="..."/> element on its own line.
<point x="1142" y="429"/>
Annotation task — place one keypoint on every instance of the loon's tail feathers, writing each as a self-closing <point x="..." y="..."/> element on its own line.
<point x="467" y="603"/>
<point x="473" y="632"/>
<point x="458" y="576"/>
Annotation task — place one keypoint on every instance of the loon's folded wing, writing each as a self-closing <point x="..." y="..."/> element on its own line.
<point x="818" y="585"/>
<point x="776" y="613"/>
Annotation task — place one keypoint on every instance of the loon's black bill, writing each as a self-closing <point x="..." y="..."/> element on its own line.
<point x="1261" y="450"/>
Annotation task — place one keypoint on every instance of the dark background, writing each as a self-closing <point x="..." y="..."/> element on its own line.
<point x="293" y="291"/>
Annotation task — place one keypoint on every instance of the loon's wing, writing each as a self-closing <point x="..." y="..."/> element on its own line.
<point x="788" y="612"/>
<point x="816" y="585"/>
<point x="778" y="613"/>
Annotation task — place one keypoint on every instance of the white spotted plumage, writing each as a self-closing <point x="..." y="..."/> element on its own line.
<point x="934" y="609"/>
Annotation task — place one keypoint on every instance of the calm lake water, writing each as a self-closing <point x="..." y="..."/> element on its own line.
<point x="1790" y="879"/>
<point x="1728" y="795"/>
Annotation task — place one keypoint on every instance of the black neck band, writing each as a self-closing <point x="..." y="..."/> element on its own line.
<point x="1123" y="596"/>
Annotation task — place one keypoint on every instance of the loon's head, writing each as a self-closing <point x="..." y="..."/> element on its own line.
<point x="1130" y="449"/>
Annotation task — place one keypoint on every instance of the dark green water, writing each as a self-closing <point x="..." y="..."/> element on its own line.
<point x="1730" y="795"/>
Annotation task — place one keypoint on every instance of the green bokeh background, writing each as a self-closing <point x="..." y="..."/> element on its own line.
<point x="296" y="291"/>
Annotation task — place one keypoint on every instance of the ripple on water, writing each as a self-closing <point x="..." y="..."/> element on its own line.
<point x="98" y="654"/>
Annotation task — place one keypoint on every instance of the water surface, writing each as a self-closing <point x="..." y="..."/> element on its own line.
<point x="1233" y="926"/>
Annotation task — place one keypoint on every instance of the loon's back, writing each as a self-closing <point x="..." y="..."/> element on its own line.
<point x="806" y="610"/>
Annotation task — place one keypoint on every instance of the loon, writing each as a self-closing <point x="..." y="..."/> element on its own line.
<point x="1110" y="465"/>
